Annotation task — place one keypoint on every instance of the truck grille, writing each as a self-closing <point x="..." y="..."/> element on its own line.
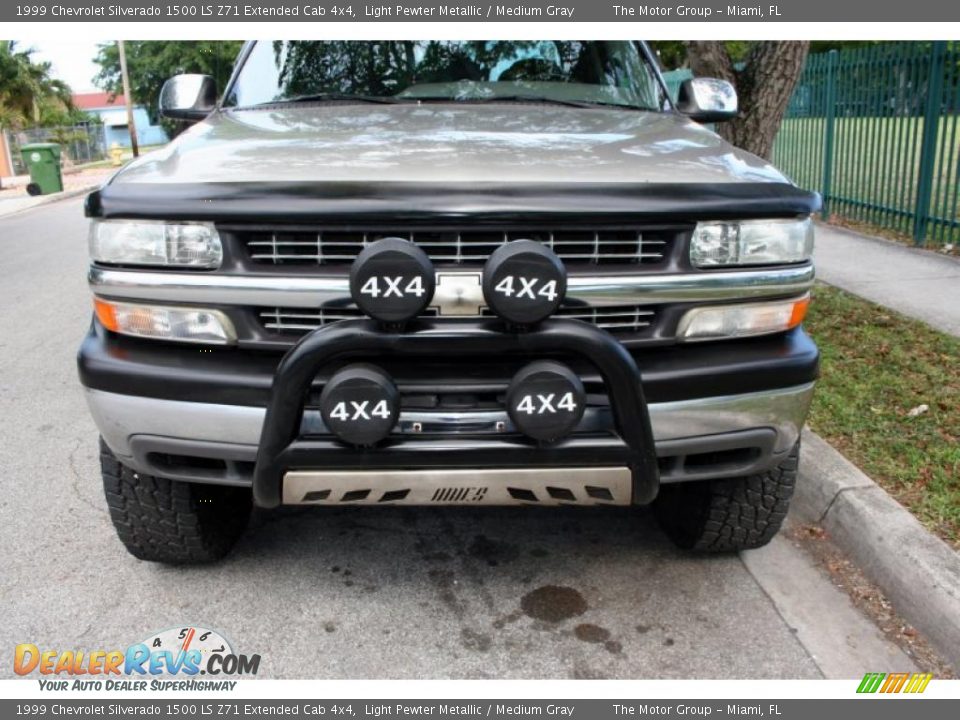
<point x="456" y="246"/>
<point x="617" y="319"/>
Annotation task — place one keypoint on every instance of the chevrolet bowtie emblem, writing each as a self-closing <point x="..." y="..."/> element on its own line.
<point x="458" y="293"/>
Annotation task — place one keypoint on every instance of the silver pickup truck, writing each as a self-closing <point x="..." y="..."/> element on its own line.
<point x="446" y="273"/>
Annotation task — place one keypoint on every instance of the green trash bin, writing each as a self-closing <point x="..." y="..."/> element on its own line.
<point x="43" y="162"/>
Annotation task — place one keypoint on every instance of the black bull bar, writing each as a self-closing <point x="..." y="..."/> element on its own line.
<point x="282" y="448"/>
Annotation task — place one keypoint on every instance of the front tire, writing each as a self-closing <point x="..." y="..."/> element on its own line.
<point x="172" y="522"/>
<point x="730" y="514"/>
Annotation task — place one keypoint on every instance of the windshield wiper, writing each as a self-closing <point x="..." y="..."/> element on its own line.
<point x="334" y="97"/>
<point x="394" y="100"/>
<point x="524" y="99"/>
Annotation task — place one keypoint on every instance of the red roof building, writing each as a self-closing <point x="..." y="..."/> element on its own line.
<point x="98" y="101"/>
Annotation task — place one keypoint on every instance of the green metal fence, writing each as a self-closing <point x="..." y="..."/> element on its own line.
<point x="874" y="129"/>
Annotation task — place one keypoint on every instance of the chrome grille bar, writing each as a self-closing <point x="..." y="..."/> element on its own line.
<point x="310" y="292"/>
<point x="457" y="246"/>
<point x="617" y="319"/>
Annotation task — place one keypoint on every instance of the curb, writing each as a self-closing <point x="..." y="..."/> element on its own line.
<point x="48" y="199"/>
<point x="919" y="572"/>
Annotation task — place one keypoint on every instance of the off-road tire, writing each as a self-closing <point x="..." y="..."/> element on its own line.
<point x="172" y="522"/>
<point x="730" y="514"/>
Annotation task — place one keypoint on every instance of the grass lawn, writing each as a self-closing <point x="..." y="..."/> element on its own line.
<point x="876" y="169"/>
<point x="877" y="365"/>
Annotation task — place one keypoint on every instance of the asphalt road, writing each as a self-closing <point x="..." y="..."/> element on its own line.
<point x="413" y="593"/>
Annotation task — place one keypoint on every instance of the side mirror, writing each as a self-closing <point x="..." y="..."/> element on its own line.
<point x="188" y="97"/>
<point x="707" y="100"/>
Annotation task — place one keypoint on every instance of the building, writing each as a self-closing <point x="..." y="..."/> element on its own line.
<point x="93" y="140"/>
<point x="112" y="112"/>
<point x="6" y="161"/>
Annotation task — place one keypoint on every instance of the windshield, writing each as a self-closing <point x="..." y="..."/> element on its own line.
<point x="569" y="72"/>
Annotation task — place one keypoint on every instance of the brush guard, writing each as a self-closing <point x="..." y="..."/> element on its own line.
<point x="283" y="450"/>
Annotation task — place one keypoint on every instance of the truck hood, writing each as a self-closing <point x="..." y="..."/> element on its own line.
<point x="447" y="143"/>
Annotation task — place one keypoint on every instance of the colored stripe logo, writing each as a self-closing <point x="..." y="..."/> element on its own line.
<point x="894" y="682"/>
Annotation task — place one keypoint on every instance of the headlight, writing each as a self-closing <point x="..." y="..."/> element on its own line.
<point x="715" y="322"/>
<point x="129" y="242"/>
<point x="751" y="242"/>
<point x="164" y="322"/>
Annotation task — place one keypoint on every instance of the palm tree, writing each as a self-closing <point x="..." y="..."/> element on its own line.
<point x="27" y="90"/>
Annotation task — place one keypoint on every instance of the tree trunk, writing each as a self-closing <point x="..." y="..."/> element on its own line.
<point x="764" y="87"/>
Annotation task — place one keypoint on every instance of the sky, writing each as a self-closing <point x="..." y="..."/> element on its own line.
<point x="72" y="60"/>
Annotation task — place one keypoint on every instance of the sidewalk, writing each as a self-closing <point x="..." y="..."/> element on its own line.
<point x="918" y="283"/>
<point x="15" y="199"/>
<point x="917" y="571"/>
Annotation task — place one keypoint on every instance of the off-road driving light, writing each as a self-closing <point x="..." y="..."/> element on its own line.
<point x="182" y="324"/>
<point x="751" y="242"/>
<point x="730" y="321"/>
<point x="136" y="242"/>
<point x="360" y="404"/>
<point x="392" y="280"/>
<point x="524" y="282"/>
<point x="545" y="400"/>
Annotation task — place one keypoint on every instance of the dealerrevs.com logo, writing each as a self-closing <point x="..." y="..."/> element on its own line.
<point x="173" y="659"/>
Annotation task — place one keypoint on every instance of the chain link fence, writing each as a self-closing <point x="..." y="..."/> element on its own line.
<point x="83" y="143"/>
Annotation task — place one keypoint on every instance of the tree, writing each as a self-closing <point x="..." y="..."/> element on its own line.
<point x="152" y="62"/>
<point x="28" y="93"/>
<point x="764" y="82"/>
<point x="673" y="53"/>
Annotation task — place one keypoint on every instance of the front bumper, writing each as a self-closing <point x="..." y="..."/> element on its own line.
<point x="714" y="411"/>
<point x="146" y="432"/>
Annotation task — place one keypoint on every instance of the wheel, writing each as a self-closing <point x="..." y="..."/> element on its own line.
<point x="729" y="514"/>
<point x="172" y="522"/>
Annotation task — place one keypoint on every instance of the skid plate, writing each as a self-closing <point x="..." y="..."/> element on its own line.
<point x="495" y="486"/>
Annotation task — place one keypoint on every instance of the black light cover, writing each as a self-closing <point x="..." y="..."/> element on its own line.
<point x="360" y="404"/>
<point x="524" y="282"/>
<point x="545" y="400"/>
<point x="392" y="280"/>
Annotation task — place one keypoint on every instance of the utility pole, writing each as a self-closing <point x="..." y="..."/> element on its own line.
<point x="126" y="97"/>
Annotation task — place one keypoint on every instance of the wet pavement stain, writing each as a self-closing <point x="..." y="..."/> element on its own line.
<point x="613" y="647"/>
<point x="493" y="552"/>
<point x="504" y="620"/>
<point x="445" y="581"/>
<point x="585" y="672"/>
<point x="472" y="640"/>
<point x="437" y="557"/>
<point x="553" y="603"/>
<point x="643" y="629"/>
<point x="588" y="632"/>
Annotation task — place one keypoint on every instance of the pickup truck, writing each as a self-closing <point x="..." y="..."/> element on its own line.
<point x="447" y="273"/>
